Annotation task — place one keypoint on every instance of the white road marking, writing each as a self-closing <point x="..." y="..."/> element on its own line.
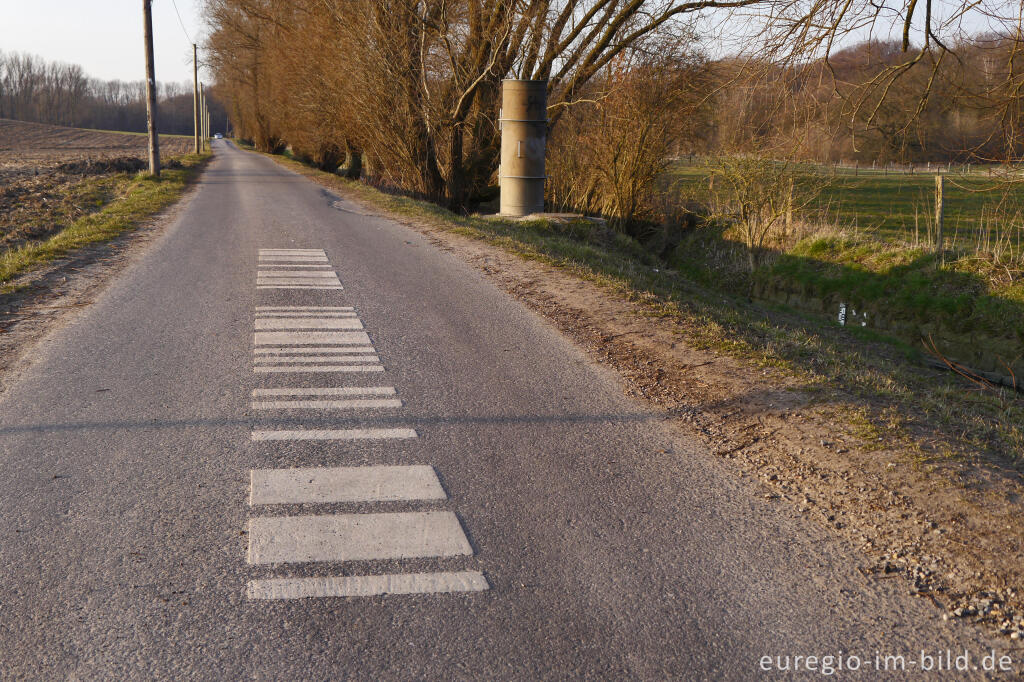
<point x="344" y="484"/>
<point x="356" y="537"/>
<point x="300" y="313"/>
<point x="338" y="434"/>
<point x="293" y="251"/>
<point x="337" y="308"/>
<point x="368" y="404"/>
<point x="318" y="368"/>
<point x="296" y="286"/>
<point x="319" y="358"/>
<point x="367" y="585"/>
<point x="308" y="274"/>
<point x="298" y="268"/>
<point x="308" y="323"/>
<point x="317" y="349"/>
<point x="334" y="281"/>
<point x="307" y="338"/>
<point x="292" y="259"/>
<point x="332" y="390"/>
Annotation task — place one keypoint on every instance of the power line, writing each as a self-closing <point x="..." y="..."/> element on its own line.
<point x="182" y="23"/>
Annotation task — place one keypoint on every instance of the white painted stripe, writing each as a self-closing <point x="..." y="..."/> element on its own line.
<point x="307" y="274"/>
<point x="331" y="390"/>
<point x="337" y="434"/>
<point x="344" y="484"/>
<point x="326" y="404"/>
<point x="305" y="307"/>
<point x="318" y="368"/>
<point x="327" y="358"/>
<point x="308" y="323"/>
<point x="298" y="268"/>
<point x="307" y="338"/>
<point x="316" y="349"/>
<point x="367" y="585"/>
<point x="295" y="286"/>
<point x="292" y="251"/>
<point x="356" y="537"/>
<point x="300" y="313"/>
<point x="293" y="259"/>
<point x="334" y="281"/>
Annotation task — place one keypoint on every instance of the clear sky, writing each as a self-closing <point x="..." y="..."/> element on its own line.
<point x="104" y="36"/>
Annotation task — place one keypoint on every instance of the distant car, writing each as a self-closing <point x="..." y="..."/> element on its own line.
<point x="218" y="136"/>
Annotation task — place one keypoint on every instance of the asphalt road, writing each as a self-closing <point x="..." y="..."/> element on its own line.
<point x="583" y="537"/>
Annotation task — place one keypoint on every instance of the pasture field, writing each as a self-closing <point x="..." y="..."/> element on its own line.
<point x="982" y="212"/>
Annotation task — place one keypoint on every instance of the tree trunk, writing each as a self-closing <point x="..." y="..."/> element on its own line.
<point x="456" y="185"/>
<point x="353" y="161"/>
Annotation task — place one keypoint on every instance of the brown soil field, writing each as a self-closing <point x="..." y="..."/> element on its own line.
<point x="50" y="176"/>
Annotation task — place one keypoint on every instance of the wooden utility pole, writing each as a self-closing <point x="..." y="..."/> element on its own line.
<point x="202" y="116"/>
<point x="939" y="197"/>
<point x="154" y="142"/>
<point x="195" y="93"/>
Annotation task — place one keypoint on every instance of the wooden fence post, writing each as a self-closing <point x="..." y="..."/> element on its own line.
<point x="939" y="198"/>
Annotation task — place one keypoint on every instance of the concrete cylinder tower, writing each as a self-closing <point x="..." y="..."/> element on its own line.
<point x="524" y="139"/>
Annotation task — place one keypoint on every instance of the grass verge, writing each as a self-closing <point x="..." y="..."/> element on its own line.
<point x="131" y="199"/>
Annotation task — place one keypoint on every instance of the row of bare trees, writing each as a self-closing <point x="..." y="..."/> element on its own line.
<point x="33" y="89"/>
<point x="412" y="86"/>
<point x="406" y="92"/>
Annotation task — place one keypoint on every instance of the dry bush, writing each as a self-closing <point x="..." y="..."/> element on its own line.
<point x="607" y="154"/>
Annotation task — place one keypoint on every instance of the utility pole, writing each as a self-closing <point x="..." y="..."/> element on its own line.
<point x="154" y="142"/>
<point x="195" y="93"/>
<point x="202" y="115"/>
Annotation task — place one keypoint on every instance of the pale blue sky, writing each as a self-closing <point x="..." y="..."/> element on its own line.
<point x="104" y="36"/>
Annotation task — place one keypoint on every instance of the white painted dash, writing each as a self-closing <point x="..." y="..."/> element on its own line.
<point x="367" y="404"/>
<point x="307" y="274"/>
<point x="305" y="307"/>
<point x="308" y="323"/>
<point x="367" y="585"/>
<point x="337" y="434"/>
<point x="356" y="537"/>
<point x="318" y="349"/>
<point x="317" y="368"/>
<point x="293" y="259"/>
<point x="306" y="338"/>
<point x="318" y="358"/>
<point x="300" y="313"/>
<point x="344" y="484"/>
<point x="334" y="281"/>
<point x="330" y="390"/>
<point x="297" y="267"/>
<point x="326" y="287"/>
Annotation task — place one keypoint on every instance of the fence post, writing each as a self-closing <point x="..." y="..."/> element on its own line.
<point x="939" y="198"/>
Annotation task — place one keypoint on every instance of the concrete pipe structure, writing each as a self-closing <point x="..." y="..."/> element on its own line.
<point x="524" y="140"/>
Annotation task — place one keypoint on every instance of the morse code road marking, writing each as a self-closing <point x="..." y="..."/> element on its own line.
<point x="282" y="345"/>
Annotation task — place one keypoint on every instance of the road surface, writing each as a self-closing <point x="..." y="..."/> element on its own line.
<point x="297" y="441"/>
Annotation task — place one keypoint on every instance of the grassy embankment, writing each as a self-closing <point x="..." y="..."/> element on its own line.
<point x="864" y="374"/>
<point x="114" y="204"/>
<point x="868" y="241"/>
